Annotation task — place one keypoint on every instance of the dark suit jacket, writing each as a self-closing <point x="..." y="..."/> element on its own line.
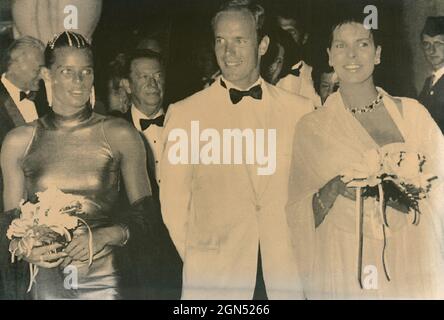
<point x="433" y="100"/>
<point x="13" y="277"/>
<point x="166" y="280"/>
<point x="150" y="161"/>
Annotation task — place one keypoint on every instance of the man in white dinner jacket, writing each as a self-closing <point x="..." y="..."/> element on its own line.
<point x="225" y="216"/>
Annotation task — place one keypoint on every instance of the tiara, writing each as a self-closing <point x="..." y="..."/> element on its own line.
<point x="81" y="41"/>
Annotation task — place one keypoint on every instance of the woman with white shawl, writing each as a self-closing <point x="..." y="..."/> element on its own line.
<point x="347" y="248"/>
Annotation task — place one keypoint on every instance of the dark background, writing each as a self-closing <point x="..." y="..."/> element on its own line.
<point x="184" y="26"/>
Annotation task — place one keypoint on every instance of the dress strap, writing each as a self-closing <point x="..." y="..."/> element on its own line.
<point x="102" y="128"/>
<point x="34" y="131"/>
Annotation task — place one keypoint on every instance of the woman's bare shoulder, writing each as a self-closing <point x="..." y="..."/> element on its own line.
<point x="19" y="136"/>
<point x="120" y="134"/>
<point x="16" y="142"/>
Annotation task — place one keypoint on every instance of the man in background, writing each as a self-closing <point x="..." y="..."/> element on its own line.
<point x="432" y="94"/>
<point x="144" y="82"/>
<point x="21" y="101"/>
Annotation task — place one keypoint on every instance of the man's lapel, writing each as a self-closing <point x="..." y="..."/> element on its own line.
<point x="41" y="101"/>
<point x="127" y="115"/>
<point x="150" y="160"/>
<point x="274" y="121"/>
<point x="439" y="85"/>
<point x="11" y="110"/>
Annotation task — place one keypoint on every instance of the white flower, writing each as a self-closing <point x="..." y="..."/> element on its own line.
<point x="53" y="201"/>
<point x="404" y="165"/>
<point x="60" y="220"/>
<point x="19" y="227"/>
<point x="27" y="209"/>
<point x="54" y="209"/>
<point x="365" y="172"/>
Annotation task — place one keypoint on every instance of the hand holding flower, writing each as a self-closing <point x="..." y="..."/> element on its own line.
<point x="78" y="248"/>
<point x="44" y="256"/>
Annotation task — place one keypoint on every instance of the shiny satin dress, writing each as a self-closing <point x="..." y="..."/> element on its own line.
<point x="72" y="154"/>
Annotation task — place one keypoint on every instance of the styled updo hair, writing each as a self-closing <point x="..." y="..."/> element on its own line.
<point x="65" y="39"/>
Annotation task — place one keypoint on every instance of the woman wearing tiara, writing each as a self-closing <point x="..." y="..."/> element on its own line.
<point x="348" y="245"/>
<point x="82" y="153"/>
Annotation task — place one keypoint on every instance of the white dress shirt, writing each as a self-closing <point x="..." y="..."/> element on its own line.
<point x="302" y="85"/>
<point x="26" y="107"/>
<point x="250" y="114"/>
<point x="153" y="135"/>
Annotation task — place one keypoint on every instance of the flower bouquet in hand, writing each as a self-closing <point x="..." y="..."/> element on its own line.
<point x="396" y="178"/>
<point x="49" y="218"/>
<point x="392" y="177"/>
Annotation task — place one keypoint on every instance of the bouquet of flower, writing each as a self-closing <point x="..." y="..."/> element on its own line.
<point x="396" y="176"/>
<point x="392" y="176"/>
<point x="48" y="218"/>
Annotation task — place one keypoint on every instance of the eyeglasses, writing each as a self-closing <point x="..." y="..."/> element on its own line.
<point x="427" y="45"/>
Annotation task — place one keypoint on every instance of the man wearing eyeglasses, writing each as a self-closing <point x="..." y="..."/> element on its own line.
<point x="432" y="95"/>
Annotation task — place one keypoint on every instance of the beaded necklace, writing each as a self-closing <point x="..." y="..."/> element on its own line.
<point x="368" y="108"/>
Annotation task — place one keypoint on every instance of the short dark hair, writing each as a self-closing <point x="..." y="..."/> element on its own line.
<point x="292" y="52"/>
<point x="353" y="17"/>
<point x="433" y="26"/>
<point x="65" y="39"/>
<point x="256" y="10"/>
<point x="22" y="42"/>
<point x="140" y="54"/>
<point x="293" y="11"/>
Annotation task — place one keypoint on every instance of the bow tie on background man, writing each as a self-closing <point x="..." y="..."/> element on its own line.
<point x="296" y="72"/>
<point x="30" y="96"/>
<point x="145" y="123"/>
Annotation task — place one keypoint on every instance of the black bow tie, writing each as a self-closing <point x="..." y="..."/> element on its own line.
<point x="30" y="96"/>
<point x="296" y="72"/>
<point x="237" y="95"/>
<point x="145" y="123"/>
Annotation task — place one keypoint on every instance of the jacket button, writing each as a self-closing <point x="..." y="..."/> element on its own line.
<point x="258" y="207"/>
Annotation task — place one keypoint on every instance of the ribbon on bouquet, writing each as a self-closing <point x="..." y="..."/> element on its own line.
<point x="26" y="248"/>
<point x="360" y="231"/>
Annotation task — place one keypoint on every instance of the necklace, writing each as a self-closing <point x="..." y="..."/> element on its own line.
<point x="368" y="108"/>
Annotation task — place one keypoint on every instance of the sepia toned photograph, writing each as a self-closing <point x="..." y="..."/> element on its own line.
<point x="221" y="150"/>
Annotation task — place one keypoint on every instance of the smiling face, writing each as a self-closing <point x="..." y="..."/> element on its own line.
<point x="237" y="49"/>
<point x="71" y="77"/>
<point x="353" y="54"/>
<point x="146" y="84"/>
<point x="434" y="50"/>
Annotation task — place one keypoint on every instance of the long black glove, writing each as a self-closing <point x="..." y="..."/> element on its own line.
<point x="150" y="265"/>
<point x="14" y="277"/>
